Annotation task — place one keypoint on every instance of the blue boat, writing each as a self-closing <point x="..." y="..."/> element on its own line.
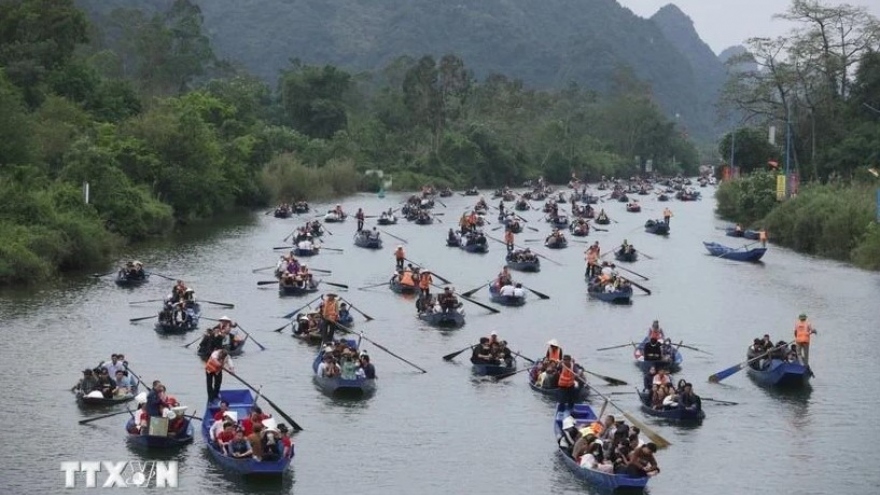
<point x="523" y="266"/>
<point x="736" y="254"/>
<point x="779" y="373"/>
<point x="475" y="248"/>
<point x="748" y="234"/>
<point x="557" y="243"/>
<point x="399" y="288"/>
<point x="295" y="290"/>
<point x="174" y="327"/>
<point x="241" y="401"/>
<point x="621" y="295"/>
<point x="656" y="227"/>
<point x="146" y="441"/>
<point x="443" y="319"/>
<point x="560" y="222"/>
<point x="126" y="280"/>
<point x="674" y="414"/>
<point x="386" y="219"/>
<point x="554" y="393"/>
<point x="358" y="386"/>
<point x="630" y="257"/>
<point x="365" y="240"/>
<point x="583" y="415"/>
<point x="304" y="253"/>
<point x="492" y="369"/>
<point x="645" y="366"/>
<point x="496" y="297"/>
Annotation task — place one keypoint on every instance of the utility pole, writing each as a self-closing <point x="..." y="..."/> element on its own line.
<point x="787" y="151"/>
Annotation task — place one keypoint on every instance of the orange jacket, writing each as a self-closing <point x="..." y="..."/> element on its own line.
<point x="212" y="365"/>
<point x="802" y="331"/>
<point x="399" y="254"/>
<point x="329" y="311"/>
<point x="425" y="280"/>
<point x="566" y="378"/>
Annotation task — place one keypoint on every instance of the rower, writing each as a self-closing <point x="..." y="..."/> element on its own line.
<point x="425" y="282"/>
<point x="508" y="239"/>
<point x="451" y="238"/>
<point x="653" y="351"/>
<point x="655" y="332"/>
<point x="518" y="291"/>
<point x="667" y="214"/>
<point x="330" y="316"/>
<point x="338" y="211"/>
<point x="504" y="277"/>
<point x="399" y="257"/>
<point x="802" y="331"/>
<point x="554" y="352"/>
<point x="360" y="219"/>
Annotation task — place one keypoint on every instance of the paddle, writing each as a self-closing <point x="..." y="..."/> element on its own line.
<point x="608" y="379"/>
<point x="722" y="402"/>
<point x="539" y="294"/>
<point x="502" y="376"/>
<point x="615" y="347"/>
<point x="99" y="275"/>
<point x="372" y="286"/>
<point x="473" y="291"/>
<point x="721" y="375"/>
<point x="147" y="301"/>
<point x="380" y="346"/>
<point x="634" y="273"/>
<point x="142" y="318"/>
<point x="659" y="441"/>
<point x="295" y="311"/>
<point x="646" y="255"/>
<point x="341" y="286"/>
<point x="225" y="305"/>
<point x="520" y="355"/>
<point x="478" y="303"/>
<point x="282" y="327"/>
<point x="331" y="249"/>
<point x="394" y="236"/>
<point x="166" y="277"/>
<point x="268" y="401"/>
<point x="451" y="356"/>
<point x="647" y="291"/>
<point x="194" y="341"/>
<point x="445" y="280"/>
<point x="533" y="229"/>
<point x="103" y="416"/>
<point x="694" y="349"/>
<point x="255" y="270"/>
<point x="352" y="306"/>
<point x="320" y="270"/>
<point x="267" y="282"/>
<point x="249" y="336"/>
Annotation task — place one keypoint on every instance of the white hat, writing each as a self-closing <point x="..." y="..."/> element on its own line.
<point x="270" y="424"/>
<point x="493" y="333"/>
<point x="224" y="318"/>
<point x="141" y="398"/>
<point x="95" y="394"/>
<point x="553" y="342"/>
<point x="400" y="246"/>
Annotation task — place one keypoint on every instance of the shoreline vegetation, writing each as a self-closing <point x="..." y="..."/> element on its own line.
<point x="138" y="106"/>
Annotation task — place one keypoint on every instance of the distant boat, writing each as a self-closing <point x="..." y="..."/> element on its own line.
<point x="741" y="254"/>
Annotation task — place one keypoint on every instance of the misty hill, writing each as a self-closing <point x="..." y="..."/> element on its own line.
<point x="547" y="44"/>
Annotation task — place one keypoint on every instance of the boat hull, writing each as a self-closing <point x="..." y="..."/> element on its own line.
<point x="620" y="296"/>
<point x="781" y="374"/>
<point x="399" y="288"/>
<point x="475" y="248"/>
<point x="443" y="319"/>
<point x="555" y="393"/>
<point x="295" y="290"/>
<point x="497" y="298"/>
<point x="131" y="282"/>
<point x="676" y="414"/>
<point x="367" y="242"/>
<point x="626" y="257"/>
<point x="656" y="227"/>
<point x="673" y="366"/>
<point x="721" y="251"/>
<point x="557" y="245"/>
<point x="155" y="442"/>
<point x="525" y="266"/>
<point x="492" y="369"/>
<point x="338" y="386"/>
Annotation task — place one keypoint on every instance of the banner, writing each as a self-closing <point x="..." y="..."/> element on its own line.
<point x="772" y="135"/>
<point x="780" y="187"/>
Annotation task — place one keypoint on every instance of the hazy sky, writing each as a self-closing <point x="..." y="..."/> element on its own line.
<point x="723" y="23"/>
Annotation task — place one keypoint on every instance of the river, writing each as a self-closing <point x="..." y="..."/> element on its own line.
<point x="445" y="431"/>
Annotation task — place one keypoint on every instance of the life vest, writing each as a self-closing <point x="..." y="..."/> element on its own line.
<point x="762" y="236"/>
<point x="566" y="378"/>
<point x="329" y="312"/>
<point x="508" y="237"/>
<point x="213" y="365"/>
<point x="407" y="279"/>
<point x="399" y="254"/>
<point x="554" y="354"/>
<point x="802" y="332"/>
<point x="425" y="281"/>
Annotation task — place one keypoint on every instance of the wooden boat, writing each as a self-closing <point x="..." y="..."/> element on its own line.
<point x="241" y="401"/>
<point x="748" y="234"/>
<point x="579" y="229"/>
<point x="305" y="253"/>
<point x="496" y="297"/>
<point x="554" y="393"/>
<point x="780" y="374"/>
<point x="169" y="328"/>
<point x="444" y="319"/>
<point x="159" y="442"/>
<point x="387" y="220"/>
<point x="673" y="366"/>
<point x="560" y="222"/>
<point x="296" y="290"/>
<point x="301" y="208"/>
<point x="481" y="369"/>
<point x="472" y="192"/>
<point x="522" y="205"/>
<point x="125" y="280"/>
<point x="603" y="221"/>
<point x="357" y="386"/>
<point x="630" y="257"/>
<point x="445" y="192"/>
<point x="424" y="220"/>
<point x="313" y="338"/>
<point x="676" y="414"/>
<point x="402" y="289"/>
<point x="656" y="227"/>
<point x="663" y="197"/>
<point x="532" y="266"/>
<point x="748" y="255"/>
<point x="556" y="243"/>
<point x="623" y="198"/>
<point x="365" y="240"/>
<point x="583" y="415"/>
<point x="96" y="399"/>
<point x="283" y="213"/>
<point x="633" y="207"/>
<point x="333" y="217"/>
<point x="475" y="248"/>
<point x="619" y="296"/>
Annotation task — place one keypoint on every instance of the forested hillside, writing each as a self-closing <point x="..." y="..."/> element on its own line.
<point x="546" y="44"/>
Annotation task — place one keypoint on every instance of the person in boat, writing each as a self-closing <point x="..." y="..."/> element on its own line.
<point x="399" y="257"/>
<point x="239" y="447"/>
<point x="189" y="299"/>
<point x="667" y="215"/>
<point x="509" y="240"/>
<point x="528" y="255"/>
<point x="447" y="300"/>
<point x="328" y="367"/>
<point x="105" y="384"/>
<point x="306" y="244"/>
<point x="338" y="211"/>
<point x="653" y="350"/>
<point x="602" y="215"/>
<point x="330" y="316"/>
<point x="506" y="289"/>
<point x="518" y="291"/>
<point x="451" y="238"/>
<point x="359" y="216"/>
<point x="554" y="351"/>
<point x="592" y="257"/>
<point x="501" y="208"/>
<point x="504" y="277"/>
<point x="425" y="281"/>
<point x="349" y="365"/>
<point x="738" y="229"/>
<point x="569" y="373"/>
<point x="802" y="332"/>
<point x="216" y="362"/>
<point x="367" y="368"/>
<point x="641" y="461"/>
<point x="88" y="383"/>
<point x="655" y="332"/>
<point x="667" y="350"/>
<point x="688" y="400"/>
<point x="124" y="383"/>
<point x="482" y="353"/>
<point x="762" y="237"/>
<point x="117" y="362"/>
<point x="155" y="400"/>
<point x="503" y="353"/>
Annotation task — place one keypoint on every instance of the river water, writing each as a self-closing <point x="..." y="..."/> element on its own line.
<point x="445" y="431"/>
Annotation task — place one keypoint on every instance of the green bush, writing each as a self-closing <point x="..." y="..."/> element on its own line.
<point x="867" y="253"/>
<point x="287" y="179"/>
<point x="747" y="199"/>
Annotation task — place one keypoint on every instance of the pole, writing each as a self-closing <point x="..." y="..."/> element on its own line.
<point x="732" y="150"/>
<point x="787" y="150"/>
<point x="86" y="192"/>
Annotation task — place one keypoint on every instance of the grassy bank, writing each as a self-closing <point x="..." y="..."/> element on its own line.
<point x="829" y="220"/>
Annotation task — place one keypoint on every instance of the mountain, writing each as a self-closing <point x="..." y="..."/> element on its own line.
<point x="735" y="51"/>
<point x="546" y="44"/>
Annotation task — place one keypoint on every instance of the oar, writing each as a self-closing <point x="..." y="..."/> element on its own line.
<point x="502" y="376"/>
<point x="99" y="275"/>
<point x="445" y="280"/>
<point x="249" y="336"/>
<point x="282" y="327"/>
<point x="166" y="277"/>
<point x="451" y="356"/>
<point x="608" y="379"/>
<point x="216" y="303"/>
<point x="380" y="346"/>
<point x="520" y="247"/>
<point x="352" y="306"/>
<point x="268" y="401"/>
<point x="721" y="375"/>
<point x="304" y="306"/>
<point x="103" y="416"/>
<point x="599" y="229"/>
<point x="200" y="337"/>
<point x="371" y="286"/>
<point x="524" y="357"/>
<point x="659" y="441"/>
<point x="539" y="294"/>
<point x="694" y="349"/>
<point x="478" y="303"/>
<point x="533" y="229"/>
<point x="147" y="301"/>
<point x="394" y="236"/>
<point x="647" y="291"/>
<point x="320" y="270"/>
<point x="331" y="249"/>
<point x="722" y="402"/>
<point x="614" y="347"/>
<point x="334" y="284"/>
<point x="646" y="255"/>
<point x="441" y="203"/>
<point x="473" y="291"/>
<point x="142" y="318"/>
<point x="634" y="273"/>
<point x="255" y="270"/>
<point x="267" y="282"/>
<point x="283" y="247"/>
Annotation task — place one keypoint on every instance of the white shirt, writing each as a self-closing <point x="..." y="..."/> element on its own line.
<point x="607" y="271"/>
<point x="305" y="245"/>
<point x="519" y="292"/>
<point x="507" y="290"/>
<point x="321" y="368"/>
<point x="216" y="427"/>
<point x="113" y="368"/>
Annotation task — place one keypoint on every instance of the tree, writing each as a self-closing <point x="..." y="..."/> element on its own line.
<point x="752" y="150"/>
<point x="313" y="99"/>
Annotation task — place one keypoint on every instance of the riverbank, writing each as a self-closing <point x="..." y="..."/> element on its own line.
<point x="833" y="221"/>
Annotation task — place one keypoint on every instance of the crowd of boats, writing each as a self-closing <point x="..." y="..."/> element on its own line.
<point x="601" y="448"/>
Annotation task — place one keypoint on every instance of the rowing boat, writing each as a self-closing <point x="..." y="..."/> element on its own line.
<point x="496" y="297"/>
<point x="482" y="369"/>
<point x="337" y="385"/>
<point x="399" y="288"/>
<point x="533" y="265"/>
<point x="781" y="374"/>
<point x="622" y="295"/>
<point x="657" y="227"/>
<point x="677" y="414"/>
<point x="475" y="247"/>
<point x="364" y="239"/>
<point x="453" y="318"/>
<point x="126" y="280"/>
<point x="333" y="216"/>
<point x="747" y="255"/>
<point x="178" y="327"/>
<point x="145" y="440"/>
<point x="96" y="399"/>
<point x="556" y="243"/>
<point x="554" y="393"/>
<point x="673" y="365"/>
<point x="629" y="257"/>
<point x="295" y="290"/>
